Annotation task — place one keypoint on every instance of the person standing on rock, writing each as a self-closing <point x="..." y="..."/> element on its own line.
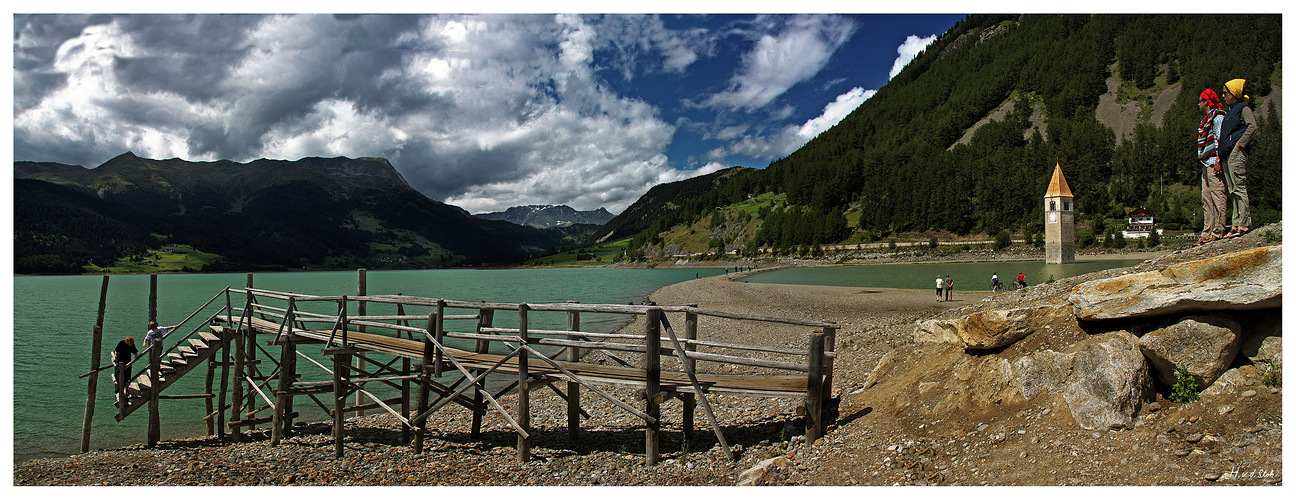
<point x="940" y="288"/>
<point x="1214" y="197"/>
<point x="994" y="282"/>
<point x="949" y="288"/>
<point x="1234" y="142"/>
<point x="1021" y="281"/>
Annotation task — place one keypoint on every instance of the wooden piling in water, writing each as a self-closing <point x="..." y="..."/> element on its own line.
<point x="96" y="346"/>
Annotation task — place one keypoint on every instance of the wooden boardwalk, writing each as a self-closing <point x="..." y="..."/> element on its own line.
<point x="409" y="351"/>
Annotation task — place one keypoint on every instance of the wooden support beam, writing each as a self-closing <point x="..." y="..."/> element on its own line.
<point x="689" y="400"/>
<point x="830" y="346"/>
<point x="814" y="389"/>
<point x="574" y="411"/>
<point x="652" y="379"/>
<point x="485" y="318"/>
<point x="96" y="347"/>
<point x="340" y="362"/>
<point x="425" y="389"/>
<point x="155" y="385"/>
<point x="524" y="390"/>
<point x="284" y="396"/>
<point x="362" y="289"/>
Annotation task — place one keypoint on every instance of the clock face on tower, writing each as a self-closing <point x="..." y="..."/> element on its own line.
<point x="1052" y="216"/>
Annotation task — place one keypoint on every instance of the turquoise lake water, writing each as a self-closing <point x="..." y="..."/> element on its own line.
<point x="54" y="318"/>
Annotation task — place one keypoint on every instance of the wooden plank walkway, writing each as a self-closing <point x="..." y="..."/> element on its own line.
<point x="776" y="386"/>
<point x="248" y="370"/>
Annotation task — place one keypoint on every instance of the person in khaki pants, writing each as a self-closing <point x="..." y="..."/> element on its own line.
<point x="1235" y="136"/>
<point x="1214" y="199"/>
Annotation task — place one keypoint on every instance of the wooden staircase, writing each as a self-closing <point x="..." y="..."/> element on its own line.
<point x="173" y="366"/>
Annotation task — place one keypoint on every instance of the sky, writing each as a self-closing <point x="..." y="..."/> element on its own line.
<point x="482" y="111"/>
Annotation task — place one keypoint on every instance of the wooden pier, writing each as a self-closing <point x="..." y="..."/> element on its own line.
<point x="256" y="337"/>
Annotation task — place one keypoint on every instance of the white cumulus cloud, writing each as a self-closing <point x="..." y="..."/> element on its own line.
<point x="912" y="46"/>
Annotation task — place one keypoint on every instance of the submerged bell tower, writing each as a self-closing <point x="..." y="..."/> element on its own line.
<point x="1059" y="220"/>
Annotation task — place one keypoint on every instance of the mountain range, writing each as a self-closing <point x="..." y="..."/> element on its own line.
<point x="546" y="216"/>
<point x="274" y="214"/>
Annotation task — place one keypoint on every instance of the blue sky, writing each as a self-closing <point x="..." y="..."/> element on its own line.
<point x="483" y="111"/>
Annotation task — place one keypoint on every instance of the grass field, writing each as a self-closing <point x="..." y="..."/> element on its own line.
<point x="160" y="261"/>
<point x="604" y="253"/>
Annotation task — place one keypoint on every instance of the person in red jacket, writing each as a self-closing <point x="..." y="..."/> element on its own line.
<point x="1021" y="281"/>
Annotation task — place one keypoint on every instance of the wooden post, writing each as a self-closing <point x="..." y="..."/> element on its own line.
<point x="96" y="345"/>
<point x="340" y="362"/>
<point x="249" y="355"/>
<point x="287" y="373"/>
<point x="524" y="394"/>
<point x="573" y="388"/>
<point x="425" y="388"/>
<point x="405" y="383"/>
<point x="690" y="400"/>
<point x="224" y="384"/>
<point x="208" y="404"/>
<point x="237" y="403"/>
<point x="438" y="333"/>
<point x="485" y="318"/>
<point x="152" y="311"/>
<point x="814" y="389"/>
<point x="830" y="345"/>
<point x="362" y="289"/>
<point x="155" y="382"/>
<point x="652" y="379"/>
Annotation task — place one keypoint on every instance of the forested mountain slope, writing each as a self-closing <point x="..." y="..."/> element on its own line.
<point x="898" y="160"/>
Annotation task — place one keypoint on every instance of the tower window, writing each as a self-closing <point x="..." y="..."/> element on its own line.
<point x="1052" y="205"/>
<point x="1066" y="205"/>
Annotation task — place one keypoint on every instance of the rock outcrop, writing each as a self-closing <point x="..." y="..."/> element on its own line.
<point x="1198" y="316"/>
<point x="1104" y="379"/>
<point x="1203" y="345"/>
<point x="1245" y="280"/>
<point x="991" y="329"/>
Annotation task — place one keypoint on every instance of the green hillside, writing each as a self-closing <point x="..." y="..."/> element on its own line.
<point x="964" y="140"/>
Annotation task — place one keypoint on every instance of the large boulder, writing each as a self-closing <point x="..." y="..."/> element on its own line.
<point x="992" y="328"/>
<point x="1203" y="345"/>
<point x="1250" y="279"/>
<point x="1104" y="379"/>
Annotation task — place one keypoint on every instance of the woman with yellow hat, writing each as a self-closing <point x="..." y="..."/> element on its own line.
<point x="1235" y="137"/>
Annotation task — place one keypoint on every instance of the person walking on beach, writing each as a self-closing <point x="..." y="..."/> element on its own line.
<point x="155" y="333"/>
<point x="1214" y="198"/>
<point x="1234" y="141"/>
<point x="1021" y="281"/>
<point x="949" y="288"/>
<point x="940" y="288"/>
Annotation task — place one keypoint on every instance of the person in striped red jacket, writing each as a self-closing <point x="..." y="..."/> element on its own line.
<point x="1214" y="199"/>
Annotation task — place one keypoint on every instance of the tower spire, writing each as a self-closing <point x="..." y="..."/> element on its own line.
<point x="1058" y="185"/>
